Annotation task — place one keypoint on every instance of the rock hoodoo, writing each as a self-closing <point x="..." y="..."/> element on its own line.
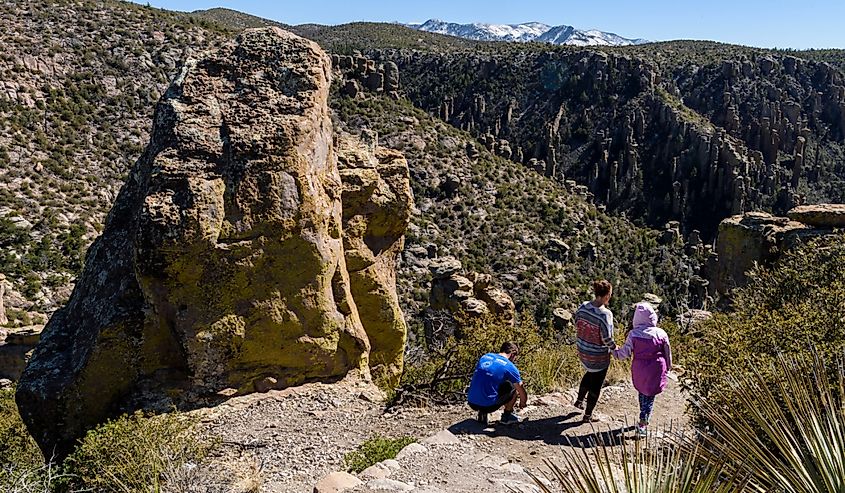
<point x="377" y="202"/>
<point x="222" y="266"/>
<point x="472" y="295"/>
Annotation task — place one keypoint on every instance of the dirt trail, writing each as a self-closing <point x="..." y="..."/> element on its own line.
<point x="299" y="435"/>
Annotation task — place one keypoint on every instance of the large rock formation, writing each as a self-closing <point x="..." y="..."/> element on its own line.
<point x="755" y="238"/>
<point x="221" y="265"/>
<point x="377" y="203"/>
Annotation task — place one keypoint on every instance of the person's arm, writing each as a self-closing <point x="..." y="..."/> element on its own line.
<point x="523" y="396"/>
<point x="626" y="349"/>
<point x="607" y="333"/>
<point x="667" y="350"/>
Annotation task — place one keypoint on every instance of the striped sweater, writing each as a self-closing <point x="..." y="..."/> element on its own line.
<point x="594" y="326"/>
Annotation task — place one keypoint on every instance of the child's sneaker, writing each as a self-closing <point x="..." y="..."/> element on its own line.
<point x="589" y="418"/>
<point x="642" y="430"/>
<point x="579" y="405"/>
<point x="509" y="418"/>
<point x="482" y="418"/>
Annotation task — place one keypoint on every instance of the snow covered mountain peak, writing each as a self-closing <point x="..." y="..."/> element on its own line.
<point x="525" y="32"/>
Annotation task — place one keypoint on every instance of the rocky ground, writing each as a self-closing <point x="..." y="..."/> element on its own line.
<point x="289" y="440"/>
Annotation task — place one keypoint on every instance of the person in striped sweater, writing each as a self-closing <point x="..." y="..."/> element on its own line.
<point x="594" y="326"/>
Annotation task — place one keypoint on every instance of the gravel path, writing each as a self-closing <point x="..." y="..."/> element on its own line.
<point x="295" y="437"/>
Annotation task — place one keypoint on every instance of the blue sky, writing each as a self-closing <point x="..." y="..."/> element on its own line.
<point x="765" y="23"/>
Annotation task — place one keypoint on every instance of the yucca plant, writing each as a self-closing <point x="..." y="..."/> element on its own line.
<point x="795" y="439"/>
<point x="651" y="465"/>
<point x="793" y="443"/>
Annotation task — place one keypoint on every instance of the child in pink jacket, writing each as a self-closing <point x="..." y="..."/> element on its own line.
<point x="652" y="359"/>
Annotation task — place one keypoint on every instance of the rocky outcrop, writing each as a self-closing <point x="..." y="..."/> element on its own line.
<point x="377" y="202"/>
<point x="470" y="295"/>
<point x="750" y="239"/>
<point x="16" y="346"/>
<point x="821" y="215"/>
<point x="221" y="267"/>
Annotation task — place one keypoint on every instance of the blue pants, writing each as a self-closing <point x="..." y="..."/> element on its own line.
<point x="646" y="405"/>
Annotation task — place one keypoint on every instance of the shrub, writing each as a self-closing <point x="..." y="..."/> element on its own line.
<point x="783" y="310"/>
<point x="19" y="454"/>
<point x="445" y="369"/>
<point x="134" y="452"/>
<point x="375" y="449"/>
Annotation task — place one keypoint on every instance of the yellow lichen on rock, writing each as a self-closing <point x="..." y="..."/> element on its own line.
<point x="377" y="203"/>
<point x="222" y="264"/>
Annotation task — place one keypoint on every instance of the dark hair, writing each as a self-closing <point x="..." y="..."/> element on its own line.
<point x="509" y="348"/>
<point x="601" y="288"/>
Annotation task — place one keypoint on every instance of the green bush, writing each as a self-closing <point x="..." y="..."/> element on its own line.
<point x="544" y="362"/>
<point x="18" y="451"/>
<point x="376" y="449"/>
<point x="134" y="452"/>
<point x="797" y="303"/>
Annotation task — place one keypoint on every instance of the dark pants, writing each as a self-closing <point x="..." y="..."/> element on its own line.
<point x="505" y="393"/>
<point x="591" y="389"/>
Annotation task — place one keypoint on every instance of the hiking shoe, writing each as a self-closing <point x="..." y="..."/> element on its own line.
<point x="579" y="405"/>
<point x="509" y="418"/>
<point x="642" y="430"/>
<point x="589" y="418"/>
<point x="482" y="418"/>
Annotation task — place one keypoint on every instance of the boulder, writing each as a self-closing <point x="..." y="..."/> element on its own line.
<point x="498" y="301"/>
<point x="336" y="482"/>
<point x="442" y="437"/>
<point x="375" y="471"/>
<point x="222" y="261"/>
<point x="443" y="267"/>
<point x="377" y="202"/>
<point x="411" y="449"/>
<point x="691" y="319"/>
<point x="821" y="215"/>
<point x="375" y="82"/>
<point x="562" y="319"/>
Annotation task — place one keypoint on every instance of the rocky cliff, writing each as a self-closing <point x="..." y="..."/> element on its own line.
<point x="659" y="142"/>
<point x="222" y="265"/>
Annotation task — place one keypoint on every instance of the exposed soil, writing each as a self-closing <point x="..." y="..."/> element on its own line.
<point x="292" y="438"/>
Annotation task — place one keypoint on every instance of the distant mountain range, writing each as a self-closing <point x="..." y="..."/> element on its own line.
<point x="529" y="31"/>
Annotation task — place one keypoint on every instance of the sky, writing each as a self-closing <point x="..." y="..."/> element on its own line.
<point x="765" y="23"/>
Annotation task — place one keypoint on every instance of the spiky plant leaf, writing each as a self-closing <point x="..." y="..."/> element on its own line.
<point x="651" y="465"/>
<point x="795" y="439"/>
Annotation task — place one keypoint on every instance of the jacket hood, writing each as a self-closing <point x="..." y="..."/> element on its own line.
<point x="644" y="315"/>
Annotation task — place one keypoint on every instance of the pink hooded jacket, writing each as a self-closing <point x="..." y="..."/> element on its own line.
<point x="652" y="354"/>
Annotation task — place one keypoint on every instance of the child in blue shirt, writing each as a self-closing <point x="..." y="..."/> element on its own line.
<point x="495" y="383"/>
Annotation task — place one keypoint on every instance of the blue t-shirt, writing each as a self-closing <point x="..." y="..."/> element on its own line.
<point x="492" y="369"/>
